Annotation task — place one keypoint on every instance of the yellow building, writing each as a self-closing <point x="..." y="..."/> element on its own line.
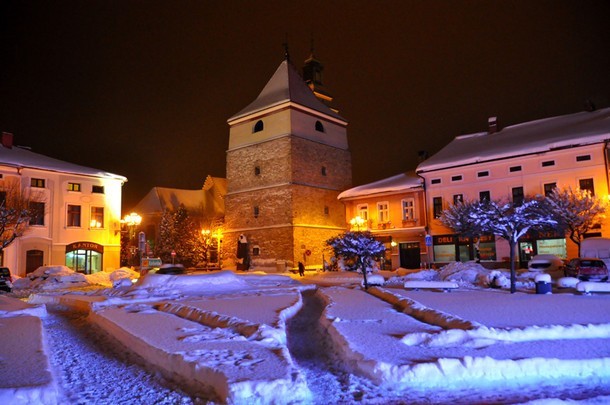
<point x="527" y="159"/>
<point x="78" y="212"/>
<point x="393" y="210"/>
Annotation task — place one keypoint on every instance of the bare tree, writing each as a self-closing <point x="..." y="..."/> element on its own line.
<point x="576" y="211"/>
<point x="15" y="211"/>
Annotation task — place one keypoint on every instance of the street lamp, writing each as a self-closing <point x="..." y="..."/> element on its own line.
<point x="357" y="222"/>
<point x="218" y="236"/>
<point x="132" y="221"/>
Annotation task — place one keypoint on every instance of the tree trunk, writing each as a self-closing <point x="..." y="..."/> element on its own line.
<point x="513" y="272"/>
<point x="366" y="284"/>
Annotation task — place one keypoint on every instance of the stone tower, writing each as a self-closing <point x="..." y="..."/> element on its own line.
<point x="287" y="161"/>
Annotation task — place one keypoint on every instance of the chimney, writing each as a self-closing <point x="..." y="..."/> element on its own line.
<point x="7" y="140"/>
<point x="493" y="124"/>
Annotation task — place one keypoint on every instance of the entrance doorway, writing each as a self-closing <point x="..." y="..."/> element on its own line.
<point x="33" y="260"/>
<point x="84" y="257"/>
<point x="410" y="255"/>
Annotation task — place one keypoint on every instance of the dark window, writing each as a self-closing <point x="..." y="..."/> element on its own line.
<point x="323" y="170"/>
<point x="256" y="251"/>
<point x="456" y="178"/>
<point x="548" y="163"/>
<point x="517" y="196"/>
<point x="437" y="206"/>
<point x="256" y="211"/>
<point x="36" y="213"/>
<point x="548" y="188"/>
<point x="326" y="210"/>
<point x="483" y="174"/>
<point x="259" y="126"/>
<point x="319" y="126"/>
<point x="2" y="198"/>
<point x="513" y="169"/>
<point x="435" y="181"/>
<point x="97" y="189"/>
<point x="73" y="215"/>
<point x="583" y="158"/>
<point x="587" y="184"/>
<point x="484" y="196"/>
<point x="73" y="186"/>
<point x="458" y="198"/>
<point x="257" y="170"/>
<point x="39" y="183"/>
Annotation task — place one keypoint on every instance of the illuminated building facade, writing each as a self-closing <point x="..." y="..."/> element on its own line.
<point x="77" y="212"/>
<point x="287" y="161"/>
<point x="393" y="210"/>
<point x="527" y="159"/>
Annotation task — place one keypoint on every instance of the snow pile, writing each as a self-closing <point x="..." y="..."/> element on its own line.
<point x="117" y="278"/>
<point x="51" y="278"/>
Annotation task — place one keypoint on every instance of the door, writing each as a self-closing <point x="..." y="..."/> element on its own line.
<point x="33" y="260"/>
<point x="410" y="255"/>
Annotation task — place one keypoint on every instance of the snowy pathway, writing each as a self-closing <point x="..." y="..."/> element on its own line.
<point x="88" y="373"/>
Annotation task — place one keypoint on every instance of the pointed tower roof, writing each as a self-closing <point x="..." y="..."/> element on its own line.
<point x="286" y="87"/>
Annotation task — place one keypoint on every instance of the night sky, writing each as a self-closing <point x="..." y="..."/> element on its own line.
<point x="144" y="88"/>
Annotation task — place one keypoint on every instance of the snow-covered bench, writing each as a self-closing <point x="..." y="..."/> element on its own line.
<point x="587" y="287"/>
<point x="433" y="285"/>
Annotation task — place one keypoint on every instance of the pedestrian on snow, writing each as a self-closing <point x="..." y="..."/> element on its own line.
<point x="301" y="269"/>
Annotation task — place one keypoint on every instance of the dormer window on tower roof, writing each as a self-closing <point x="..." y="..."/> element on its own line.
<point x="258" y="127"/>
<point x="319" y="126"/>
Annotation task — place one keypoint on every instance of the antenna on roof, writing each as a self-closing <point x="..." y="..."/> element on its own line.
<point x="286" y="53"/>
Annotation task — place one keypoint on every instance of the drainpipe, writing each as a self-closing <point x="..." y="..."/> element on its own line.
<point x="426" y="228"/>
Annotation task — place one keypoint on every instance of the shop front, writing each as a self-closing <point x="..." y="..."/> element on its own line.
<point x="85" y="257"/>
<point x="541" y="243"/>
<point x="451" y="248"/>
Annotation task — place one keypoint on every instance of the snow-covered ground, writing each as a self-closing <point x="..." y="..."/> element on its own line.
<point x="258" y="338"/>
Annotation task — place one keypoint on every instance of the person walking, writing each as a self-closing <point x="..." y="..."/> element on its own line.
<point x="301" y="269"/>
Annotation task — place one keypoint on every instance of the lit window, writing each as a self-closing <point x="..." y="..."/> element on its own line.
<point x="363" y="211"/>
<point x="39" y="183"/>
<point x="319" y="126"/>
<point x="408" y="209"/>
<point x="383" y="212"/>
<point x="97" y="217"/>
<point x="73" y="215"/>
<point x="73" y="186"/>
<point x="97" y="189"/>
<point x="37" y="213"/>
<point x="259" y="126"/>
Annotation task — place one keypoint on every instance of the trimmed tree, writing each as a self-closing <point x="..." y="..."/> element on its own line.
<point x="179" y="233"/>
<point x="576" y="211"/>
<point x="506" y="220"/>
<point x="359" y="248"/>
<point x="16" y="210"/>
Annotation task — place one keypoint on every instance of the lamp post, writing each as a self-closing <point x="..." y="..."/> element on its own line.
<point x="218" y="236"/>
<point x="357" y="222"/>
<point x="131" y="221"/>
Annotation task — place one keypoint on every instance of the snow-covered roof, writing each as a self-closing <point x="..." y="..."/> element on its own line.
<point x="286" y="86"/>
<point x="23" y="158"/>
<point x="208" y="201"/>
<point x="400" y="182"/>
<point x="543" y="135"/>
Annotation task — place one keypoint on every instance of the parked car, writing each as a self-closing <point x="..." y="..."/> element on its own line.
<point x="587" y="268"/>
<point x="6" y="280"/>
<point x="546" y="263"/>
<point x="171" y="269"/>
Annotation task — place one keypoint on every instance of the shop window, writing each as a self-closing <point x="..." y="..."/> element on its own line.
<point x="258" y="127"/>
<point x="37" y="213"/>
<point x="73" y="217"/>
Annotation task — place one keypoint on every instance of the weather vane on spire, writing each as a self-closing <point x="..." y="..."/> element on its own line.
<point x="286" y="53"/>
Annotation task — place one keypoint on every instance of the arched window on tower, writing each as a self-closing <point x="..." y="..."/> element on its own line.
<point x="319" y="126"/>
<point x="258" y="127"/>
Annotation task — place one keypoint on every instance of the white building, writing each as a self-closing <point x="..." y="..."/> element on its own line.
<point x="79" y="208"/>
<point x="509" y="164"/>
